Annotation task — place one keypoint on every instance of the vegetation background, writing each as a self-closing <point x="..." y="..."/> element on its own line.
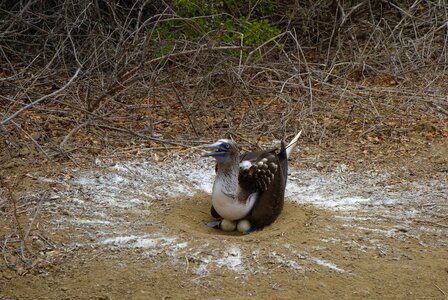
<point x="76" y="74"/>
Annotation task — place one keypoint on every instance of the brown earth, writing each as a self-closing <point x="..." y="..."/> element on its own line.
<point x="279" y="262"/>
<point x="162" y="249"/>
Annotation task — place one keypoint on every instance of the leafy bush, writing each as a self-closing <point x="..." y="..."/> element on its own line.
<point x="218" y="22"/>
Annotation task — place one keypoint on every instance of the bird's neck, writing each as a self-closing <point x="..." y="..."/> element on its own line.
<point x="227" y="174"/>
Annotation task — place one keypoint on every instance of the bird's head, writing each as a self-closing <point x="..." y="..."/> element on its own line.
<point x="224" y="151"/>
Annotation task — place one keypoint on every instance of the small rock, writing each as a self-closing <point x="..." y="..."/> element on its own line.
<point x="54" y="197"/>
<point x="319" y="166"/>
<point x="24" y="151"/>
<point x="342" y="168"/>
<point x="36" y="135"/>
<point x="10" y="164"/>
<point x="402" y="229"/>
<point x="21" y="270"/>
<point x="66" y="213"/>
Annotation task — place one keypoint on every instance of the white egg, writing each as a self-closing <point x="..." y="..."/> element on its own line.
<point x="243" y="226"/>
<point x="227" y="225"/>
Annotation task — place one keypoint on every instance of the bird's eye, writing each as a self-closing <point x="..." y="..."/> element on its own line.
<point x="227" y="146"/>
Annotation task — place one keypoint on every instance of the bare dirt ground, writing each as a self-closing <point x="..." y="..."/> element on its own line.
<point x="135" y="228"/>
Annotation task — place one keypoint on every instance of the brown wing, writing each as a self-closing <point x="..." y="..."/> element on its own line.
<point x="269" y="203"/>
<point x="270" y="200"/>
<point x="257" y="171"/>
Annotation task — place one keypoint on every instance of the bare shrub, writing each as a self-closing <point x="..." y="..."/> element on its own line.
<point x="90" y="65"/>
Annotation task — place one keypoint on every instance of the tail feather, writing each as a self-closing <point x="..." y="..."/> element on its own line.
<point x="292" y="145"/>
<point x="285" y="154"/>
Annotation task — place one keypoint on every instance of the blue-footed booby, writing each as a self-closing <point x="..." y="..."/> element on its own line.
<point x="249" y="189"/>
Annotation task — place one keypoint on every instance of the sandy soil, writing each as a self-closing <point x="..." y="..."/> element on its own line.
<point x="118" y="231"/>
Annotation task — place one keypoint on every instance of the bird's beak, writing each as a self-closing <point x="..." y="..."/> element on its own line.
<point x="214" y="146"/>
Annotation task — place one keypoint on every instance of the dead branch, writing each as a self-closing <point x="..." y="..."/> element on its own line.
<point x="73" y="131"/>
<point x="31" y="138"/>
<point x="126" y="77"/>
<point x="12" y="200"/>
<point x="130" y="132"/>
<point x="53" y="94"/>
<point x="192" y="122"/>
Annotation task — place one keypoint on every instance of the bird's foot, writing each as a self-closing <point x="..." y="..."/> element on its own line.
<point x="223" y="224"/>
<point x="214" y="223"/>
<point x="251" y="230"/>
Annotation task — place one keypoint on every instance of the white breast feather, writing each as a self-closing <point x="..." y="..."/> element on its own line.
<point x="230" y="208"/>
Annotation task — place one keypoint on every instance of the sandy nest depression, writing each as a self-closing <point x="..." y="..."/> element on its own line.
<point x="137" y="229"/>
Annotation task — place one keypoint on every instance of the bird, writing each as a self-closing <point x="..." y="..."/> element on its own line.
<point x="249" y="189"/>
